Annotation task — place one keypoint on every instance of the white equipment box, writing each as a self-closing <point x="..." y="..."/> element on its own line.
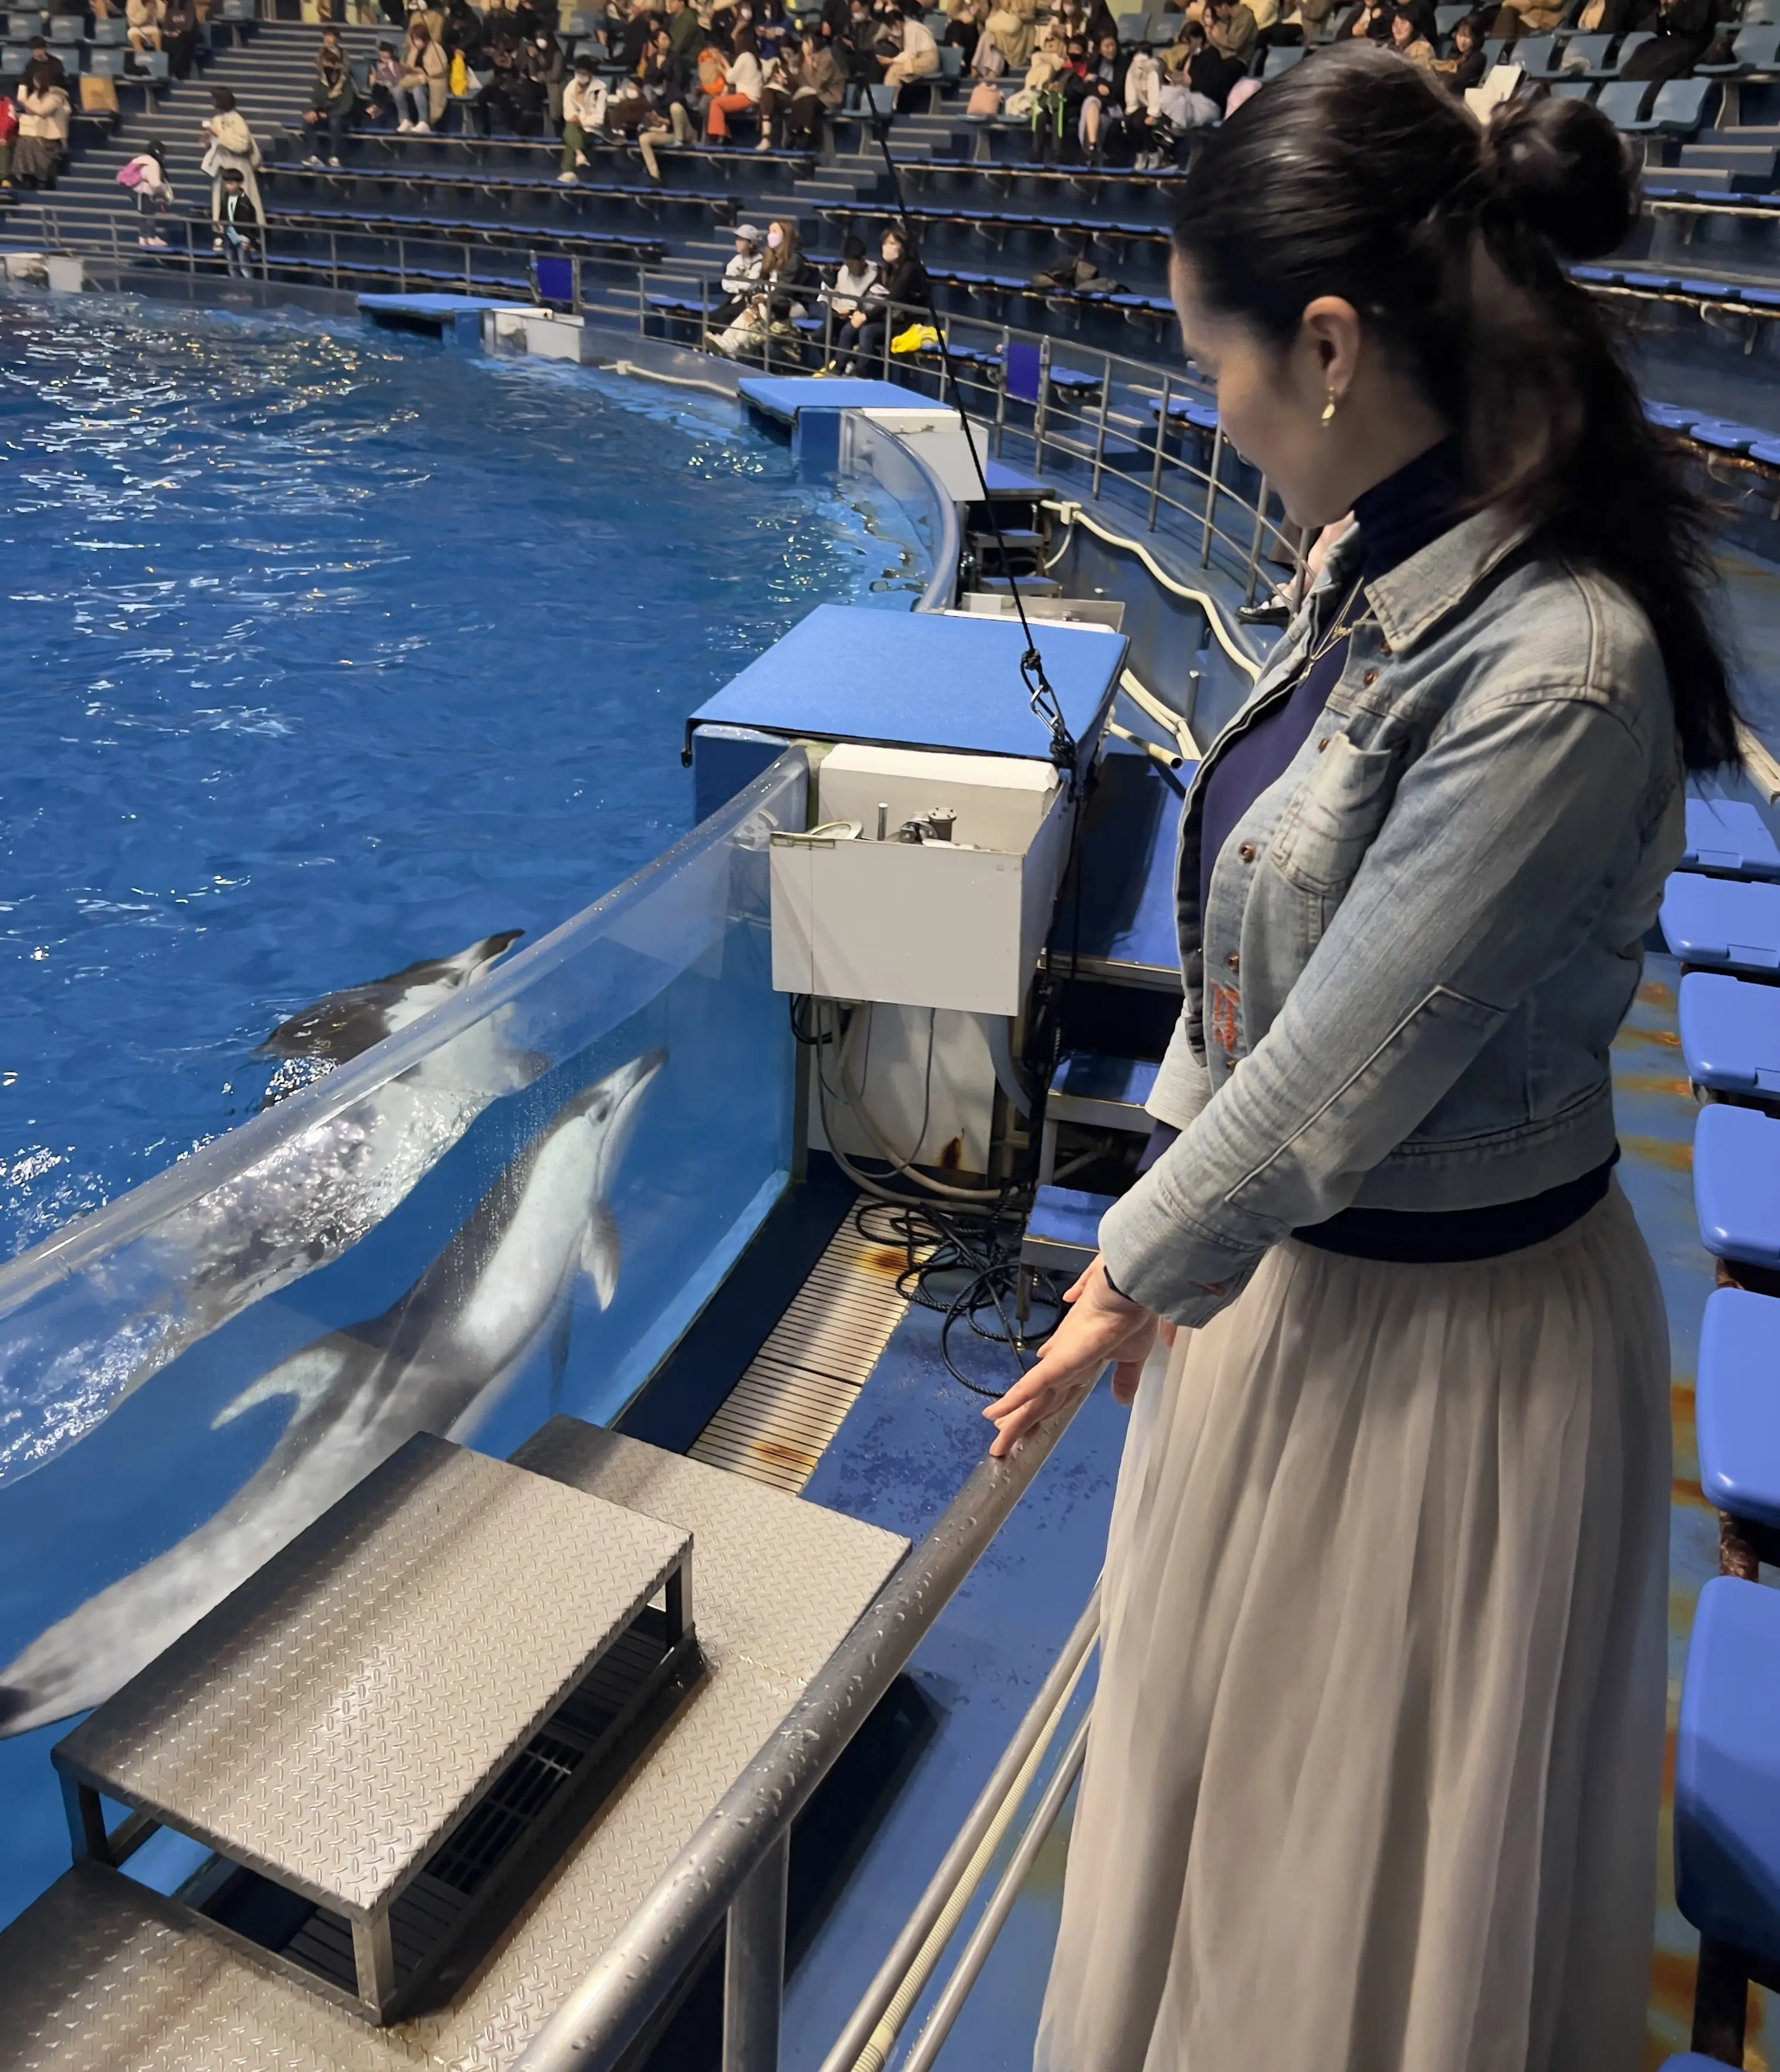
<point x="954" y="923"/>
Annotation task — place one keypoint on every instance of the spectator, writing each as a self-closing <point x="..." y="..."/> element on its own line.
<point x="385" y="85"/>
<point x="145" y="179"/>
<point x="9" y="131"/>
<point x="1197" y="89"/>
<point x="1013" y="32"/>
<point x="1103" y="128"/>
<point x="1465" y="68"/>
<point x="964" y="22"/>
<point x="421" y="94"/>
<point x="741" y="88"/>
<point x="844" y="294"/>
<point x="462" y="31"/>
<point x="1680" y="36"/>
<point x="667" y="86"/>
<point x="335" y="100"/>
<point x="231" y="145"/>
<point x="43" y="114"/>
<point x="43" y="69"/>
<point x="238" y="226"/>
<point x="772" y="30"/>
<point x="917" y="54"/>
<point x="543" y="66"/>
<point x="901" y="287"/>
<point x="1524" y="18"/>
<point x="1230" y="29"/>
<point x="1371" y="20"/>
<point x="740" y="275"/>
<point x="144" y="18"/>
<point x="1408" y="43"/>
<point x="685" y="30"/>
<point x="583" y="114"/>
<point x="786" y="285"/>
<point x="180" y="35"/>
<point x="819" y="87"/>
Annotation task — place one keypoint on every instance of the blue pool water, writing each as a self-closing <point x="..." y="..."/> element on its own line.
<point x="325" y="653"/>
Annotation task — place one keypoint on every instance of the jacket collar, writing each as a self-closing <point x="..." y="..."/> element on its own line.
<point x="1409" y="601"/>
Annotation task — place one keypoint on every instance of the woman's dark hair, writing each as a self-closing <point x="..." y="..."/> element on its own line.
<point x="1356" y="175"/>
<point x="222" y="100"/>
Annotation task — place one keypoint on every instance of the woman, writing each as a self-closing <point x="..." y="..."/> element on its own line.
<point x="385" y="85"/>
<point x="1407" y="42"/>
<point x="820" y="87"/>
<point x="741" y="88"/>
<point x="144" y="20"/>
<point x="1681" y="35"/>
<point x="787" y="284"/>
<point x="1373" y="1776"/>
<point x="844" y="294"/>
<point x="1467" y="65"/>
<point x="230" y="144"/>
<point x="43" y="113"/>
<point x="180" y="35"/>
<point x="334" y="103"/>
<point x="420" y="96"/>
<point x="901" y="294"/>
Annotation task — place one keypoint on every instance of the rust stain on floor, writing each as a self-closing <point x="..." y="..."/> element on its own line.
<point x="1671" y="1154"/>
<point x="1664" y="1039"/>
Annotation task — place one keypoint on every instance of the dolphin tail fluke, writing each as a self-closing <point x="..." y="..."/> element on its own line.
<point x="599" y="1253"/>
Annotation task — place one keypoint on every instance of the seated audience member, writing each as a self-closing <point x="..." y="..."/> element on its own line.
<point x="845" y="293"/>
<point x="787" y="285"/>
<point x="498" y="101"/>
<point x="43" y="69"/>
<point x="421" y="96"/>
<point x="1408" y="43"/>
<point x="1371" y="18"/>
<point x="1103" y="128"/>
<point x="462" y="31"/>
<point x="1231" y="28"/>
<point x="668" y="89"/>
<point x="1198" y="87"/>
<point x="1466" y="67"/>
<point x="1682" y="33"/>
<point x="741" y="88"/>
<point x="739" y="275"/>
<point x="773" y="30"/>
<point x="917" y="54"/>
<point x="180" y="35"/>
<point x="543" y="66"/>
<point x="819" y="88"/>
<point x="900" y="295"/>
<point x="144" y="20"/>
<point x="333" y="101"/>
<point x="964" y="21"/>
<point x="685" y="30"/>
<point x="385" y="84"/>
<point x="584" y="106"/>
<point x="238" y="225"/>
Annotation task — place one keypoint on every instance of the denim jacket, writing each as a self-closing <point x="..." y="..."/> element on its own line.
<point x="1418" y="942"/>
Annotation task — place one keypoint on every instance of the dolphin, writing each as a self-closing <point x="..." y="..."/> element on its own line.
<point x="311" y="1197"/>
<point x="500" y="1287"/>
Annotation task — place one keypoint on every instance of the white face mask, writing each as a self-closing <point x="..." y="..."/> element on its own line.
<point x="774" y="239"/>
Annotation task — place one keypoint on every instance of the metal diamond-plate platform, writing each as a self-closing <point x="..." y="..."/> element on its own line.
<point x="113" y="1980"/>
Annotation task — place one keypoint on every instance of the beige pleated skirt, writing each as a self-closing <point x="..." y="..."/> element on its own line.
<point x="1373" y="1778"/>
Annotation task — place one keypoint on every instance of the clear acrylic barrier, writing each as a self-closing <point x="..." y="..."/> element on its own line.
<point x="512" y="1208"/>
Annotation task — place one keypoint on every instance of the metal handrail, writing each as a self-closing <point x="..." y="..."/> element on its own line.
<point x="739" y="1840"/>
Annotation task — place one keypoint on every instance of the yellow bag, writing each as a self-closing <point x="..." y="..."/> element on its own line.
<point x="918" y="338"/>
<point x="98" y="95"/>
<point x="459" y="75"/>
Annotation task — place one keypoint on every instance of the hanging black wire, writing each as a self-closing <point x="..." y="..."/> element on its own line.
<point x="1039" y="695"/>
<point x="966" y="1267"/>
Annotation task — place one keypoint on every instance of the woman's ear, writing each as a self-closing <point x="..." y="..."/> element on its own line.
<point x="1331" y="331"/>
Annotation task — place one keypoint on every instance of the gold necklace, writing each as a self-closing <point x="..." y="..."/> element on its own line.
<point x="1339" y="627"/>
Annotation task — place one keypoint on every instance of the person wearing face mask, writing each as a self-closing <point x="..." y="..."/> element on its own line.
<point x="846" y="292"/>
<point x="787" y="284"/>
<point x="545" y="71"/>
<point x="900" y="295"/>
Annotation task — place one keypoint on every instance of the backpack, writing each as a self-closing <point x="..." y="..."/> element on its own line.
<point x="130" y="175"/>
<point x="458" y="78"/>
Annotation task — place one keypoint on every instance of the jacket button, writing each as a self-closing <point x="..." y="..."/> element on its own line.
<point x="1322" y="745"/>
<point x="1234" y="961"/>
<point x="1246" y="852"/>
<point x="1369" y="678"/>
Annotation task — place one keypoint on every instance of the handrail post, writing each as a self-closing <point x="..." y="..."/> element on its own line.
<point x="754" y="1964"/>
<point x="333" y="256"/>
<point x="401" y="264"/>
<point x="1211" y="494"/>
<point x="1255" y="543"/>
<point x="1106" y="404"/>
<point x="1161" y="436"/>
<point x="1038" y="407"/>
<point x="1001" y="392"/>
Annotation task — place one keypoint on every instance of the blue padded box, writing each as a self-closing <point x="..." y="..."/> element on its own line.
<point x="1737" y="1183"/>
<point x="1090" y="1087"/>
<point x="1730" y="1033"/>
<point x="1063" y="1231"/>
<point x="1728" y="836"/>
<point x="1727" y="1768"/>
<point x="1723" y="922"/>
<point x="1736" y="1409"/>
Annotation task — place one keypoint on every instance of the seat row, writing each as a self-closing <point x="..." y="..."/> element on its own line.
<point x="1721" y="917"/>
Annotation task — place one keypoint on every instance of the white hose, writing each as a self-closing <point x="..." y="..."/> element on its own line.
<point x="876" y="2053"/>
<point x="673" y="380"/>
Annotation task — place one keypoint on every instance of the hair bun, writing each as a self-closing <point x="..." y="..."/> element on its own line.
<point x="1562" y="170"/>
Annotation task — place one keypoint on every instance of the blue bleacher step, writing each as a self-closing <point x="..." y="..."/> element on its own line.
<point x="1727" y="1777"/>
<point x="1730" y="1033"/>
<point x="1063" y="1230"/>
<point x="1102" y="1092"/>
<point x="1737" y="1183"/>
<point x="1729" y="837"/>
<point x="1737" y="1407"/>
<point x="1722" y="922"/>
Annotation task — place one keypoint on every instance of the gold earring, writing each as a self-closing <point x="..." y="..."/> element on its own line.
<point x="1329" y="409"/>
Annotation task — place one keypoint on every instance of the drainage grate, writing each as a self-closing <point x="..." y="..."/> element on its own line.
<point x="777" y="1422"/>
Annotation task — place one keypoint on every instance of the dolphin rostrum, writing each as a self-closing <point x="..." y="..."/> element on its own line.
<point x="491" y="1297"/>
<point x="311" y="1196"/>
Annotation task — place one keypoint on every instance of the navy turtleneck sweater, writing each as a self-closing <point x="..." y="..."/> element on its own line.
<point x="1407" y="512"/>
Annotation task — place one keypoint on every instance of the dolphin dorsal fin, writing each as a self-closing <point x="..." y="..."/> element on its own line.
<point x="306" y="1377"/>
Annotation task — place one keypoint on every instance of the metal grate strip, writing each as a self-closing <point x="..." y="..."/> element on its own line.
<point x="777" y="1423"/>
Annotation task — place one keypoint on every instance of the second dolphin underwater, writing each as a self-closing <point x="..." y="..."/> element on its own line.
<point x="498" y="1290"/>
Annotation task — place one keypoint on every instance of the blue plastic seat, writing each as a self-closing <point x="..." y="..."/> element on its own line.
<point x="1537" y="56"/>
<point x="1597" y="276"/>
<point x="1672" y="416"/>
<point x="1730" y="1033"/>
<point x="1620" y="100"/>
<point x="1723" y="924"/>
<point x="1573" y="90"/>
<point x="1447" y="19"/>
<point x="1729" y="836"/>
<point x="1722" y="436"/>
<point x="1680" y="108"/>
<point x="66" y="29"/>
<point x="1587" y="54"/>
<point x="1727" y="1773"/>
<point x="1281" y="59"/>
<point x="1634" y="41"/>
<point x="110" y="31"/>
<point x="1737" y="1183"/>
<point x="1736" y="1406"/>
<point x="1752" y="50"/>
<point x="1767" y="451"/>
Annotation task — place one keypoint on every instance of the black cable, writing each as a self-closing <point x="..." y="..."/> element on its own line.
<point x="1040" y="696"/>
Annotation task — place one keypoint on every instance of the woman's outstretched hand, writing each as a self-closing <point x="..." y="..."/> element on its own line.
<point x="1099" y="1324"/>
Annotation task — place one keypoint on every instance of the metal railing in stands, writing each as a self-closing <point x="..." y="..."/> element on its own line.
<point x="196" y="253"/>
<point x="1171" y="483"/>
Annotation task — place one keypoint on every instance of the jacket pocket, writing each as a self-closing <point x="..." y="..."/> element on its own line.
<point x="1339" y="807"/>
